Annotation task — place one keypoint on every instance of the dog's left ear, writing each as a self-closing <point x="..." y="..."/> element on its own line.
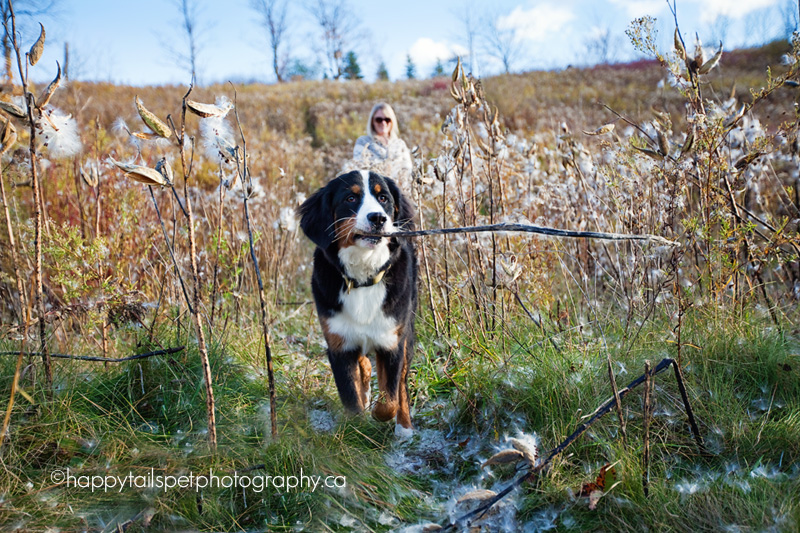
<point x="316" y="218"/>
<point x="403" y="208"/>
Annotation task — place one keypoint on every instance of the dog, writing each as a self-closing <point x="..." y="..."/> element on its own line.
<point x="365" y="288"/>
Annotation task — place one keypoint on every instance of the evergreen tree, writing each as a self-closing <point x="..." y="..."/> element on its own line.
<point x="351" y="69"/>
<point x="383" y="73"/>
<point x="411" y="68"/>
<point x="438" y="70"/>
<point x="300" y="70"/>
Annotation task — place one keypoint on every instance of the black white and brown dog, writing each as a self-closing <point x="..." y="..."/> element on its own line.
<point x="365" y="288"/>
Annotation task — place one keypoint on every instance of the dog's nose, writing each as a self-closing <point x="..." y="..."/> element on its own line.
<point x="377" y="219"/>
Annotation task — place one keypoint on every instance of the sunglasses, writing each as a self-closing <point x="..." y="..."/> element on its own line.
<point x="382" y="119"/>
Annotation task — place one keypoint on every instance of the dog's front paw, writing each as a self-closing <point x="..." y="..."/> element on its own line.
<point x="384" y="411"/>
<point x="403" y="433"/>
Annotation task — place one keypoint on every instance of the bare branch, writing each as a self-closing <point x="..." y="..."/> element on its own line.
<point x="273" y="21"/>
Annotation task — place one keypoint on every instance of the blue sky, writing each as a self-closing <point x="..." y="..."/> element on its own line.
<point x="127" y="42"/>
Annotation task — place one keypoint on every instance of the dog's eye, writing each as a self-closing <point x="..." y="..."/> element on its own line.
<point x="383" y="198"/>
<point x="350" y="199"/>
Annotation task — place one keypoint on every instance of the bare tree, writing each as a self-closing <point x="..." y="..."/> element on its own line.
<point x="25" y="12"/>
<point x="469" y="26"/>
<point x="341" y="30"/>
<point x="501" y="43"/>
<point x="273" y="21"/>
<point x="186" y="55"/>
<point x="602" y="46"/>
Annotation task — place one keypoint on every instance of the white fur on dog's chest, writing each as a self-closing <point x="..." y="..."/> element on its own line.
<point x="362" y="322"/>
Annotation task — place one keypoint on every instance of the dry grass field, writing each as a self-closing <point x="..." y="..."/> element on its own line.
<point x="518" y="335"/>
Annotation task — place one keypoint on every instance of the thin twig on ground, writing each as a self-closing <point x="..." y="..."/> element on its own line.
<point x="167" y="351"/>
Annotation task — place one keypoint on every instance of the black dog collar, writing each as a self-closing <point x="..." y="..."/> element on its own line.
<point x="351" y="283"/>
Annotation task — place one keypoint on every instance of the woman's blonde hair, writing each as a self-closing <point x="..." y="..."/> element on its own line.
<point x="389" y="113"/>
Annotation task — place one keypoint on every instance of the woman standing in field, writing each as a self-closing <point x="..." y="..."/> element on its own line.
<point x="382" y="149"/>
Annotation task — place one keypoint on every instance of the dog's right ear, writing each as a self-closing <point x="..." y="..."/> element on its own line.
<point x="316" y="218"/>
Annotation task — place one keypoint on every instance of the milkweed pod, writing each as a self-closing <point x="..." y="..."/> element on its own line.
<point x="13" y="109"/>
<point x="144" y="135"/>
<point x="530" y="454"/>
<point x="91" y="178"/>
<point x="485" y="147"/>
<point x="454" y="94"/>
<point x="164" y="168"/>
<point x="699" y="57"/>
<point x="689" y="143"/>
<point x="145" y="175"/>
<point x="734" y="118"/>
<point x="44" y="99"/>
<point x="679" y="49"/>
<point x="747" y="160"/>
<point x="227" y="150"/>
<point x="606" y="128"/>
<point x="706" y="67"/>
<point x="8" y="136"/>
<point x="649" y="153"/>
<point x="152" y="121"/>
<point x="663" y="143"/>
<point x="208" y="110"/>
<point x="35" y="53"/>
<point x="478" y="495"/>
<point x="457" y="69"/>
<point x="504" y="457"/>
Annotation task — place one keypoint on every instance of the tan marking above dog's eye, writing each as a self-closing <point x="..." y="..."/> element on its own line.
<point x="356" y="189"/>
<point x="377" y="188"/>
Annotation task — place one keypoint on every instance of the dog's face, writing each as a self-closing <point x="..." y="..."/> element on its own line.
<point x="352" y="205"/>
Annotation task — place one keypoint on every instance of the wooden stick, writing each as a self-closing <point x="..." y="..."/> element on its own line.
<point x="526" y="228"/>
<point x="648" y="383"/>
<point x="689" y="413"/>
<point x="594" y="417"/>
<point x="103" y="359"/>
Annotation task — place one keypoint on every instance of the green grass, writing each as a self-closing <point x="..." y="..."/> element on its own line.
<point x="150" y="414"/>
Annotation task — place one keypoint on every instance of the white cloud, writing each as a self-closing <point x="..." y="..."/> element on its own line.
<point x="735" y="9"/>
<point x="537" y="23"/>
<point x="640" y="8"/>
<point x="425" y="52"/>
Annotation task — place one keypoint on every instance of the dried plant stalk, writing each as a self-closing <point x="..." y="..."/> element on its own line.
<point x="14" y="384"/>
<point x="9" y="137"/>
<point x="37" y="200"/>
<point x="195" y="308"/>
<point x="243" y="171"/>
<point x="22" y="313"/>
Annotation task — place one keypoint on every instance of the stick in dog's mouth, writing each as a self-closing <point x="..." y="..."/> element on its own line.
<point x="372" y="238"/>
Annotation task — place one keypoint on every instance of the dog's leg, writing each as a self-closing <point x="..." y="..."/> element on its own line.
<point x="404" y="409"/>
<point x="365" y="367"/>
<point x="390" y="367"/>
<point x="347" y="372"/>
